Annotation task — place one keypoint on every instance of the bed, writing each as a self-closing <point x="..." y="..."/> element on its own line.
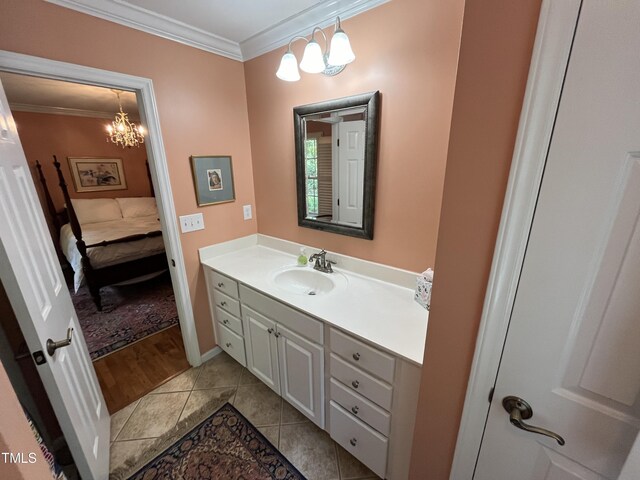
<point x="107" y="240"/>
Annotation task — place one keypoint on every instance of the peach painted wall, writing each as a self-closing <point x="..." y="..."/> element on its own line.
<point x="16" y="437"/>
<point x="43" y="135"/>
<point x="497" y="41"/>
<point x="201" y="100"/>
<point x="406" y="49"/>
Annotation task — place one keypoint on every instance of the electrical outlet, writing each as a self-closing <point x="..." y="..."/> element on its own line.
<point x="246" y="211"/>
<point x="191" y="223"/>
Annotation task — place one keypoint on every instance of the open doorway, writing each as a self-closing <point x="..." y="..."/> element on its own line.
<point x="98" y="198"/>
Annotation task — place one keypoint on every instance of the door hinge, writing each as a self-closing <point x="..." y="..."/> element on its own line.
<point x="338" y="202"/>
<point x="39" y="358"/>
<point x="173" y="262"/>
<point x="491" y="394"/>
<point x="338" y="142"/>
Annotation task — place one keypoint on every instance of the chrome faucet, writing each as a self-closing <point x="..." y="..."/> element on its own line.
<point x="322" y="264"/>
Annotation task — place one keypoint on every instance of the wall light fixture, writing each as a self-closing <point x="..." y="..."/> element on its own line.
<point x="331" y="62"/>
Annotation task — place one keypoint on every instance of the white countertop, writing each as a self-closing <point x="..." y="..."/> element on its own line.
<point x="382" y="313"/>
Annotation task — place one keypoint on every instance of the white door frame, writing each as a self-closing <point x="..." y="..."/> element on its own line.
<point x="42" y="67"/>
<point x="552" y="49"/>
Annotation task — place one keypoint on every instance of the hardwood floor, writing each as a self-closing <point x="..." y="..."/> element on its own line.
<point x="134" y="371"/>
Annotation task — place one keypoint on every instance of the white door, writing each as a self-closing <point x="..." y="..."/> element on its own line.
<point x="351" y="171"/>
<point x="262" y="348"/>
<point x="573" y="346"/>
<point x="34" y="283"/>
<point x="302" y="374"/>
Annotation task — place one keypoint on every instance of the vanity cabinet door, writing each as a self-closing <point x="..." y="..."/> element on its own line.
<point x="262" y="348"/>
<point x="302" y="374"/>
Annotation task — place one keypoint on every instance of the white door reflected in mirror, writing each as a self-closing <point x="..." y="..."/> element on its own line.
<point x="334" y="166"/>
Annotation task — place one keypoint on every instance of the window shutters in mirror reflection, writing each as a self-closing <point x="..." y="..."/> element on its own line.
<point x="325" y="187"/>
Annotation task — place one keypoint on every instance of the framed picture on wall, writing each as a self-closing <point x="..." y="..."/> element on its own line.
<point x="94" y="174"/>
<point x="213" y="179"/>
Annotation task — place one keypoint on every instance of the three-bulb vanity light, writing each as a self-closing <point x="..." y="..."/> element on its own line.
<point x="331" y="62"/>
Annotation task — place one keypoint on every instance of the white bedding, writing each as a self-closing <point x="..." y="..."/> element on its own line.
<point x="112" y="254"/>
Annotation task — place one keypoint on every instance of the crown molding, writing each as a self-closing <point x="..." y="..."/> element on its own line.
<point x="155" y="24"/>
<point x="132" y="16"/>
<point x="321" y="15"/>
<point x="75" y="112"/>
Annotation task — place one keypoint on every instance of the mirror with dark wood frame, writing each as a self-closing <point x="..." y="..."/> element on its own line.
<point x="336" y="154"/>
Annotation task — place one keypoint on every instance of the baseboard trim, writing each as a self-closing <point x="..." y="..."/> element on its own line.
<point x="215" y="351"/>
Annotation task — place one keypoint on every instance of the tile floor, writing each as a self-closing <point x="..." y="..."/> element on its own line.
<point x="309" y="448"/>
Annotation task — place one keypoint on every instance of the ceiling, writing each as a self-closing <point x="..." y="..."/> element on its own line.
<point x="238" y="29"/>
<point x="34" y="94"/>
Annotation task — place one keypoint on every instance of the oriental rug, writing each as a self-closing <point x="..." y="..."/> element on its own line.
<point x="130" y="313"/>
<point x="224" y="446"/>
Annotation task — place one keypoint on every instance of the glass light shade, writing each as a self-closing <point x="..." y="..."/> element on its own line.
<point x="340" y="52"/>
<point x="312" y="60"/>
<point x="288" y="70"/>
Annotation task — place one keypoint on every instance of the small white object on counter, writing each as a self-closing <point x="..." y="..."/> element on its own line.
<point x="378" y="311"/>
<point x="424" y="283"/>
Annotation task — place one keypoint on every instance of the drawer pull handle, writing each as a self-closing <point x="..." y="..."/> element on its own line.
<point x="356" y="356"/>
<point x="355" y="384"/>
<point x="223" y="304"/>
<point x="220" y="284"/>
<point x="353" y="441"/>
<point x="270" y="330"/>
<point x="228" y="345"/>
<point x="225" y="321"/>
<point x="355" y="409"/>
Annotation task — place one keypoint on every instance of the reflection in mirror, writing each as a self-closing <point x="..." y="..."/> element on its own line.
<point x="336" y="156"/>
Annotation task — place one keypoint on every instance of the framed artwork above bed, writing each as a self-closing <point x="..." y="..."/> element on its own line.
<point x="213" y="179"/>
<point x="96" y="174"/>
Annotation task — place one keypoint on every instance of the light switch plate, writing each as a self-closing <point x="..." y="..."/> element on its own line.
<point x="191" y="223"/>
<point x="246" y="211"/>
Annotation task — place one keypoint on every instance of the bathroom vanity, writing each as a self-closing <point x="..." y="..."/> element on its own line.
<point x="344" y="348"/>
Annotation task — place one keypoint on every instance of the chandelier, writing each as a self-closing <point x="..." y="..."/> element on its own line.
<point x="122" y="132"/>
<point x="330" y="63"/>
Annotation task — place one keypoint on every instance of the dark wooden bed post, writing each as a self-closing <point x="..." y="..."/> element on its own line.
<point x="47" y="197"/>
<point x="87" y="269"/>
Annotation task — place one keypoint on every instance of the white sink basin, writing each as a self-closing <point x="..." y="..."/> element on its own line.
<point x="306" y="281"/>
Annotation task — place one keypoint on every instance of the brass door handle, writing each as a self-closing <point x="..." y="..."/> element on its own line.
<point x="520" y="410"/>
<point x="53" y="346"/>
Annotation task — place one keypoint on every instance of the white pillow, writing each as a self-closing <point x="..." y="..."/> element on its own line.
<point x="133" y="207"/>
<point x="96" y="210"/>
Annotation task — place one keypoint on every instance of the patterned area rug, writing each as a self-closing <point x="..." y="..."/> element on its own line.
<point x="129" y="314"/>
<point x="224" y="446"/>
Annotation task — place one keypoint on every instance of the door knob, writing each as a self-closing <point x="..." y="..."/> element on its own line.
<point x="53" y="346"/>
<point x="520" y="410"/>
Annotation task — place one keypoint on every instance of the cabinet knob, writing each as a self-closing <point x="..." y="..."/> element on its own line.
<point x="277" y="334"/>
<point x="270" y="330"/>
<point x="223" y="304"/>
<point x="356" y="356"/>
<point x="355" y="384"/>
<point x="228" y="344"/>
<point x="353" y="441"/>
<point x="225" y="321"/>
<point x="220" y="284"/>
<point x="355" y="409"/>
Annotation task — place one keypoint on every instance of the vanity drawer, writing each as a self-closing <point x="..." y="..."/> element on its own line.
<point x="360" y="407"/>
<point x="229" y="320"/>
<point x="224" y="283"/>
<point x="299" y="322"/>
<point x="363" y="356"/>
<point x="369" y="387"/>
<point x="232" y="343"/>
<point x="227" y="303"/>
<point x="358" y="439"/>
